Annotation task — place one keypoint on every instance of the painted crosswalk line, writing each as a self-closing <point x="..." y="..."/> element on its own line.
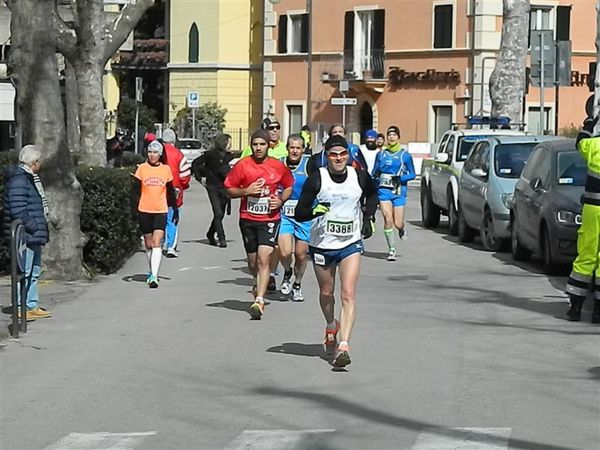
<point x="101" y="441"/>
<point x="463" y="439"/>
<point x="278" y="439"/>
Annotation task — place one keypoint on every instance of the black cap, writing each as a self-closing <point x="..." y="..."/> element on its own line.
<point x="336" y="141"/>
<point x="267" y="122"/>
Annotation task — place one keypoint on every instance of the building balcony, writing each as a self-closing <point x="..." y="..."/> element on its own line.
<point x="146" y="54"/>
<point x="365" y="66"/>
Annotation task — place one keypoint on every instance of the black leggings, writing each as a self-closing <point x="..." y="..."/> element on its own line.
<point x="219" y="202"/>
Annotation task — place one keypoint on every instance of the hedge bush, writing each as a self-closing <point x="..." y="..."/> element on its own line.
<point x="107" y="216"/>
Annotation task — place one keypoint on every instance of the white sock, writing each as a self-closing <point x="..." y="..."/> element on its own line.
<point x="155" y="259"/>
<point x="259" y="300"/>
<point x="148" y="253"/>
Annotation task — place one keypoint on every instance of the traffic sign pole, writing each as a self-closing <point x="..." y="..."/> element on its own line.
<point x="344" y="112"/>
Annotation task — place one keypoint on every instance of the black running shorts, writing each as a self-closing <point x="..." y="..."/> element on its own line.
<point x="255" y="234"/>
<point x="149" y="222"/>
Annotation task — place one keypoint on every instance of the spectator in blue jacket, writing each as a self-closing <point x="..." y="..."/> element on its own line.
<point x="24" y="199"/>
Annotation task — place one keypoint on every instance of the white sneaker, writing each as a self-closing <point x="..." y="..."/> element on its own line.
<point x="403" y="234"/>
<point x="297" y="293"/>
<point x="171" y="253"/>
<point x="286" y="286"/>
<point x="391" y="255"/>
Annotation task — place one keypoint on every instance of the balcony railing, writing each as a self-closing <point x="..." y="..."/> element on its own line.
<point x="367" y="67"/>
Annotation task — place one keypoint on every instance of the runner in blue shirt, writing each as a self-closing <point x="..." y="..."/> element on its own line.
<point x="392" y="171"/>
<point x="355" y="157"/>
<point x="294" y="235"/>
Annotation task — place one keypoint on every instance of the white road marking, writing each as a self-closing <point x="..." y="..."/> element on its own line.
<point x="277" y="439"/>
<point x="185" y="269"/>
<point x="100" y="441"/>
<point x="463" y="439"/>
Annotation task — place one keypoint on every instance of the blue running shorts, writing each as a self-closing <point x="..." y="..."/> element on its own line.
<point x="300" y="230"/>
<point x="387" y="195"/>
<point x="326" y="258"/>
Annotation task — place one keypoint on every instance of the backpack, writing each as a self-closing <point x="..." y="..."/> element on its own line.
<point x="199" y="167"/>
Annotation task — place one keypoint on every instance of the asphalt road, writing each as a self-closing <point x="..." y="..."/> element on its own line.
<point x="454" y="348"/>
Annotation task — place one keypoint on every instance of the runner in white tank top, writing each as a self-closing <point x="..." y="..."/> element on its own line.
<point x="334" y="197"/>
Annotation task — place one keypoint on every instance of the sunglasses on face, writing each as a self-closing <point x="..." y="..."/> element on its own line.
<point x="341" y="154"/>
<point x="274" y="127"/>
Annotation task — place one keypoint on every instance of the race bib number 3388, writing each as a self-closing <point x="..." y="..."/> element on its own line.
<point x="342" y="228"/>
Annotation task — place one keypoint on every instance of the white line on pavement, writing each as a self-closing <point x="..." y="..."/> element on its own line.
<point x="278" y="439"/>
<point x="184" y="269"/>
<point x="100" y="441"/>
<point x="463" y="439"/>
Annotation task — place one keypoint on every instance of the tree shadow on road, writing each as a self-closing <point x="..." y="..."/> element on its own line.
<point x="335" y="403"/>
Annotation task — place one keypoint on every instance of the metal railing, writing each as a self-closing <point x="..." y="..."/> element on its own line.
<point x="18" y="247"/>
<point x="370" y="66"/>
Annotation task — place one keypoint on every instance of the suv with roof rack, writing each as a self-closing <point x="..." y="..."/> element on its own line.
<point x="440" y="175"/>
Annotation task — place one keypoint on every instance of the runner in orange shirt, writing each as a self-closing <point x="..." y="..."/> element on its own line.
<point x="156" y="195"/>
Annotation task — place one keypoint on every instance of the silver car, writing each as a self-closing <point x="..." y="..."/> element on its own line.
<point x="486" y="187"/>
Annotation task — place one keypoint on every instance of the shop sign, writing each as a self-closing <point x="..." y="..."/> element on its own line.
<point x="399" y="76"/>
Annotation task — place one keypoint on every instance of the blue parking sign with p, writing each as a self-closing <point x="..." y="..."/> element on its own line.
<point x="193" y="99"/>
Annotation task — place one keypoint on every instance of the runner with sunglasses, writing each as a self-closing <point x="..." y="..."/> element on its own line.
<point x="294" y="235"/>
<point x="355" y="157"/>
<point x="334" y="197"/>
<point x="257" y="180"/>
<point x="393" y="170"/>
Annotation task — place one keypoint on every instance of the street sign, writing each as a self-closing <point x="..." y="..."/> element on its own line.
<point x="340" y="101"/>
<point x="193" y="99"/>
<point x="139" y="89"/>
<point x="344" y="86"/>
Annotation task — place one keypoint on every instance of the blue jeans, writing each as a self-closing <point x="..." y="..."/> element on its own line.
<point x="33" y="269"/>
<point x="172" y="230"/>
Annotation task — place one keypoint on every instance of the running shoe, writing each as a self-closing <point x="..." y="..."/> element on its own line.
<point x="391" y="254"/>
<point x="297" y="295"/>
<point x="153" y="282"/>
<point x="403" y="234"/>
<point x="148" y="276"/>
<point x="330" y="342"/>
<point x="342" y="357"/>
<point x="257" y="310"/>
<point x="171" y="253"/>
<point x="286" y="284"/>
<point x="272" y="286"/>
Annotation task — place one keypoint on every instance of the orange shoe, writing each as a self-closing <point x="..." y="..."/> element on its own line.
<point x="330" y="342"/>
<point x="342" y="357"/>
<point x="257" y="310"/>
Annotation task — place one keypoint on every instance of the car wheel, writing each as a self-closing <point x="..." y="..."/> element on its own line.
<point x="550" y="267"/>
<point x="490" y="241"/>
<point x="452" y="215"/>
<point x="430" y="213"/>
<point x="465" y="232"/>
<point x="519" y="253"/>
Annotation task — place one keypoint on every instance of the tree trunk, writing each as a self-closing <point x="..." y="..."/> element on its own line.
<point x="72" y="100"/>
<point x="91" y="113"/>
<point x="88" y="46"/>
<point x="507" y="82"/>
<point x="33" y="62"/>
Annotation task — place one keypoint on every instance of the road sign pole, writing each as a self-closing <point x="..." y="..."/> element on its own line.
<point x="542" y="112"/>
<point x="193" y="123"/>
<point x="344" y="112"/>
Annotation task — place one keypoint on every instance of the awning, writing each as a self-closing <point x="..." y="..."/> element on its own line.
<point x="7" y="100"/>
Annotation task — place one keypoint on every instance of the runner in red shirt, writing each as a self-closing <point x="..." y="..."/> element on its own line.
<point x="263" y="184"/>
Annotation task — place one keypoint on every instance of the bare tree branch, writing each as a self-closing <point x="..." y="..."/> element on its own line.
<point x="116" y="32"/>
<point x="66" y="39"/>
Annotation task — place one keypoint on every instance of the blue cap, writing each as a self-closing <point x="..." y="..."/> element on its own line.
<point x="371" y="134"/>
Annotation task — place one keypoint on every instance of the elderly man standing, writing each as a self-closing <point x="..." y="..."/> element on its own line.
<point x="24" y="199"/>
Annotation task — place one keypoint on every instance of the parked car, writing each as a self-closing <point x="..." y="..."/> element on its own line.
<point x="486" y="187"/>
<point x="546" y="209"/>
<point x="440" y="175"/>
<point x="191" y="148"/>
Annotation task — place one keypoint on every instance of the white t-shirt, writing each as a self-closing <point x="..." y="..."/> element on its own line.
<point x="369" y="156"/>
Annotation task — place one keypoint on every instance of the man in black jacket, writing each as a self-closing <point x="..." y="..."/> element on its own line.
<point x="213" y="166"/>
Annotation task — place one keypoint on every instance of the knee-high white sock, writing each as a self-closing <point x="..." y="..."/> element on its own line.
<point x="148" y="255"/>
<point x="155" y="259"/>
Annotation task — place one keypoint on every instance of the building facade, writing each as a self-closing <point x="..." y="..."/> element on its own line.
<point x="421" y="65"/>
<point x="216" y="50"/>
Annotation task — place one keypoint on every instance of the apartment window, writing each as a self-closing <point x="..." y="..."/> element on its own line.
<point x="534" y="124"/>
<point x="442" y="26"/>
<point x="194" y="44"/>
<point x="364" y="43"/>
<point x="540" y="18"/>
<point x="295" y="116"/>
<point x="293" y="33"/>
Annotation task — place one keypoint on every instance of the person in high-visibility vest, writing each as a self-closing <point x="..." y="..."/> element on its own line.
<point x="587" y="264"/>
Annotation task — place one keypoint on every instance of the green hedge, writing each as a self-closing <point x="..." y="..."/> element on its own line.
<point x="107" y="216"/>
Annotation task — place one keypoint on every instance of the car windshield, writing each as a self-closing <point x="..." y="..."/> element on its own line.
<point x="571" y="168"/>
<point x="510" y="159"/>
<point x="465" y="143"/>
<point x="189" y="144"/>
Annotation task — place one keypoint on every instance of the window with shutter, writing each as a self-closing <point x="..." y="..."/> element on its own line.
<point x="348" y="42"/>
<point x="194" y="44"/>
<point x="442" y="23"/>
<point x="282" y="34"/>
